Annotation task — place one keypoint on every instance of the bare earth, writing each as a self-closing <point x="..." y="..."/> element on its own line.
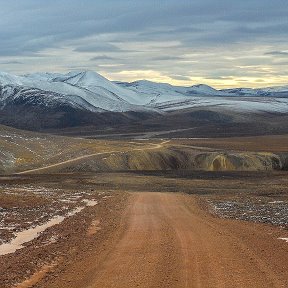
<point x="143" y="231"/>
<point x="168" y="240"/>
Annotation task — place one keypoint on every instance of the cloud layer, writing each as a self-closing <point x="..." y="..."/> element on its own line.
<point x="221" y="43"/>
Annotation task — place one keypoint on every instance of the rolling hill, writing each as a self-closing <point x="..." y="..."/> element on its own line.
<point x="44" y="101"/>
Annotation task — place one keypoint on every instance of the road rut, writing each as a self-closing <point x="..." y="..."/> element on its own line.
<point x="170" y="242"/>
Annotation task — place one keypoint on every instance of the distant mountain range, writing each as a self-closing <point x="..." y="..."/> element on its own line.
<point x="62" y="100"/>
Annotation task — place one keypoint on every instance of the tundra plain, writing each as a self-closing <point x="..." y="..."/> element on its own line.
<point x="161" y="212"/>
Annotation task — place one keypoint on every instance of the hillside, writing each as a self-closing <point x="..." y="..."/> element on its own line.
<point x="35" y="153"/>
<point x="53" y="101"/>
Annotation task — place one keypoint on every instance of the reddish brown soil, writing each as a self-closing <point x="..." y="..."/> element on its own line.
<point x="271" y="143"/>
<point x="167" y="240"/>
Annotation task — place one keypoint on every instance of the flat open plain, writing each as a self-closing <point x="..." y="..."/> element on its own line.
<point x="156" y="224"/>
<point x="148" y="229"/>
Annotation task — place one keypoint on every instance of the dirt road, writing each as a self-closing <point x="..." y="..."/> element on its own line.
<point x="168" y="241"/>
<point x="85" y="157"/>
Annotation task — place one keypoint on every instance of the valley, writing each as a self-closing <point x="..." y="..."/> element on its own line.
<point x="73" y="209"/>
<point x="112" y="184"/>
<point x="143" y="144"/>
<point x="86" y="103"/>
<point x="29" y="152"/>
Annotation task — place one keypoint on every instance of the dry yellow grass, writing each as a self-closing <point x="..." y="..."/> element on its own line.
<point x="271" y="143"/>
<point x="22" y="151"/>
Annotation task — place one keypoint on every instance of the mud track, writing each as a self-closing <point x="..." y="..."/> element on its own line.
<point x="85" y="157"/>
<point x="167" y="240"/>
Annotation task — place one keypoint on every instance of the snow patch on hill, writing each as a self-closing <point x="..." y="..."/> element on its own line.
<point x="90" y="91"/>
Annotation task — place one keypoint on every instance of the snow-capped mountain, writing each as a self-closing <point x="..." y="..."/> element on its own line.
<point x="90" y="91"/>
<point x="87" y="92"/>
<point x="166" y="97"/>
<point x="154" y="93"/>
<point x="277" y="91"/>
<point x="96" y="83"/>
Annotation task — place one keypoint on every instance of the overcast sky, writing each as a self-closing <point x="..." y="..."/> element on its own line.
<point x="217" y="42"/>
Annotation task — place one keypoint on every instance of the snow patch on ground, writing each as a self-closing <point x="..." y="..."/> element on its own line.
<point x="32" y="233"/>
<point x="90" y="203"/>
<point x="285" y="239"/>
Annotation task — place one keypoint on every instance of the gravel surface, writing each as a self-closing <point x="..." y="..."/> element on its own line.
<point x="274" y="212"/>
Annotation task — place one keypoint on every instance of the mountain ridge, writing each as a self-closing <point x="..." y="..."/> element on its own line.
<point x="78" y="97"/>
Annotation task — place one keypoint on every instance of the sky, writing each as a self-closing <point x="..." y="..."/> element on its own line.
<point x="222" y="43"/>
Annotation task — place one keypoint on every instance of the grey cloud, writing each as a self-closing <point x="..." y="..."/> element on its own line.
<point x="180" y="77"/>
<point x="11" y="62"/>
<point x="167" y="58"/>
<point x="97" y="47"/>
<point x="51" y="22"/>
<point x="285" y="63"/>
<point x="102" y="57"/>
<point x="277" y="53"/>
<point x="111" y="28"/>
